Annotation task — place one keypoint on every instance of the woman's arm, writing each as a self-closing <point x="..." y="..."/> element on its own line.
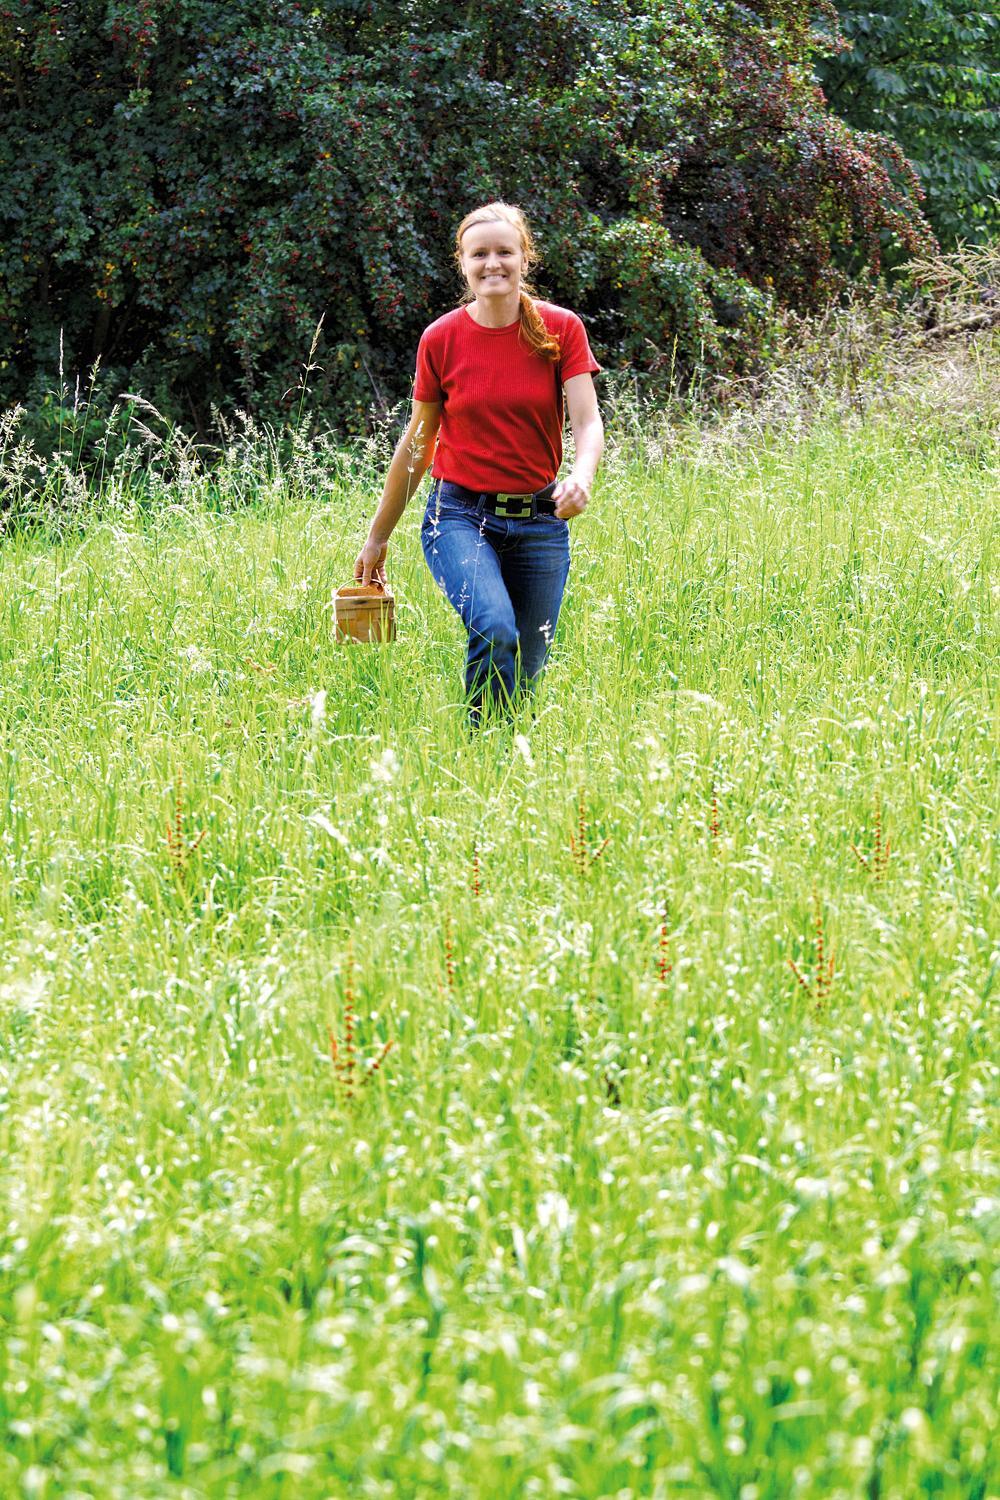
<point x="410" y="462"/>
<point x="572" y="493"/>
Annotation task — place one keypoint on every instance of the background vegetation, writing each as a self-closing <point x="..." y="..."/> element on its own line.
<point x="186" y="189"/>
<point x="927" y="73"/>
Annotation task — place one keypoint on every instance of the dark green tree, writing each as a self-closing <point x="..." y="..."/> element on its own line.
<point x="927" y="73"/>
<point x="187" y="187"/>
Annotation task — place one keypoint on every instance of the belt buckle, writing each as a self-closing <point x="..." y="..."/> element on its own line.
<point x="526" y="505"/>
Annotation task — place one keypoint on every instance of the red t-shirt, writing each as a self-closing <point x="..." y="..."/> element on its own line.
<point x="501" y="404"/>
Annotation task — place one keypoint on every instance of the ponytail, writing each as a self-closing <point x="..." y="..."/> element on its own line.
<point x="534" y="332"/>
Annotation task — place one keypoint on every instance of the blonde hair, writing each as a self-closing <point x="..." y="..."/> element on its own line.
<point x="534" y="332"/>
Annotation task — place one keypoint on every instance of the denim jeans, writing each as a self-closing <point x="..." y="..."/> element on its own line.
<point x="506" y="579"/>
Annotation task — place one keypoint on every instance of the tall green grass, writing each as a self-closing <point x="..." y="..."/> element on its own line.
<point x="626" y="1211"/>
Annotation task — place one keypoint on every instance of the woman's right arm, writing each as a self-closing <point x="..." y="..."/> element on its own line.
<point x="410" y="462"/>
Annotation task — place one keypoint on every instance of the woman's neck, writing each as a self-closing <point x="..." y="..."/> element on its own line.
<point x="496" y="312"/>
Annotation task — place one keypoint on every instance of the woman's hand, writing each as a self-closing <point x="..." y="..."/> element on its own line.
<point x="369" y="565"/>
<point x="571" y="496"/>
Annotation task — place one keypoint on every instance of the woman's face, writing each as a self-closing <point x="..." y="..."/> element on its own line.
<point x="492" y="261"/>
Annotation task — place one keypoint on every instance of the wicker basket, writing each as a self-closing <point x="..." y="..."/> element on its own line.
<point x="364" y="612"/>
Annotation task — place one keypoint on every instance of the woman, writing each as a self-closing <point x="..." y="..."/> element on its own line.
<point x="488" y="408"/>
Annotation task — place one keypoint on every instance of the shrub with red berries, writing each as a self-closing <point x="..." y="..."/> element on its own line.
<point x="187" y="188"/>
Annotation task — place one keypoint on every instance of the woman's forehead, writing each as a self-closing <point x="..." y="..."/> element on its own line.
<point x="491" y="232"/>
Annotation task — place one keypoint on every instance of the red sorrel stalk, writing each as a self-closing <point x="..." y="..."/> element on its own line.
<point x="877" y="862"/>
<point x="664" y="963"/>
<point x="584" y="858"/>
<point x="817" y="987"/>
<point x="349" y="1078"/>
<point x="179" y="847"/>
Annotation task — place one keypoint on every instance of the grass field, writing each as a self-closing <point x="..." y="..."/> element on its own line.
<point x="629" y="1208"/>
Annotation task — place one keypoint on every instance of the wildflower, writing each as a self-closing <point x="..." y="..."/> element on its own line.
<point x="524" y="749"/>
<point x="386" y="768"/>
<point x="198" y="662"/>
<point x="317" y="708"/>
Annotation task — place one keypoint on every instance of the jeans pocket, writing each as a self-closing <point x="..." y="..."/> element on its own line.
<point x="443" y="515"/>
<point x="439" y="504"/>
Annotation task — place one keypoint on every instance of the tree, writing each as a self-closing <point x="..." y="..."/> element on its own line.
<point x="186" y="188"/>
<point x="927" y="73"/>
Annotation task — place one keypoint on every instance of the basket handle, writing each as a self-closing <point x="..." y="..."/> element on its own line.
<point x="363" y="589"/>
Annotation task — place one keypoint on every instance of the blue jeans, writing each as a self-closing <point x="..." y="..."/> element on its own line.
<point x="506" y="580"/>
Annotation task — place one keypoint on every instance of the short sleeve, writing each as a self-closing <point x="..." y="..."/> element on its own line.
<point x="576" y="357"/>
<point x="426" y="384"/>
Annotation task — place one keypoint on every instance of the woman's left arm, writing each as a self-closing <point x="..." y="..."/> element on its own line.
<point x="572" y="493"/>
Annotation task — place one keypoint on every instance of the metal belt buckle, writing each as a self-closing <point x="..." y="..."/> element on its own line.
<point x="525" y="507"/>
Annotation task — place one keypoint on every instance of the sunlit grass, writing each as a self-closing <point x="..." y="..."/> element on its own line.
<point x="627" y="1210"/>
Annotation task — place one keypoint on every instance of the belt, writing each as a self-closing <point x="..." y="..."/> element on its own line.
<point x="508" y="507"/>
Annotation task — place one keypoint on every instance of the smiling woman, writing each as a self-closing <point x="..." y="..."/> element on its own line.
<point x="494" y="379"/>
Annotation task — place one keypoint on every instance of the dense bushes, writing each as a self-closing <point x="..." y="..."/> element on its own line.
<point x="927" y="72"/>
<point x="187" y="188"/>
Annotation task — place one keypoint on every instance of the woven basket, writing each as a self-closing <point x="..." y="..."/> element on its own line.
<point x="364" y="612"/>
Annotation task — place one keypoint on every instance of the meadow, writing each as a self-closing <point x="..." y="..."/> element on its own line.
<point x="679" y="1177"/>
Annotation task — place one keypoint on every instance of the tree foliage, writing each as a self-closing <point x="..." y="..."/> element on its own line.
<point x="927" y="72"/>
<point x="186" y="188"/>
